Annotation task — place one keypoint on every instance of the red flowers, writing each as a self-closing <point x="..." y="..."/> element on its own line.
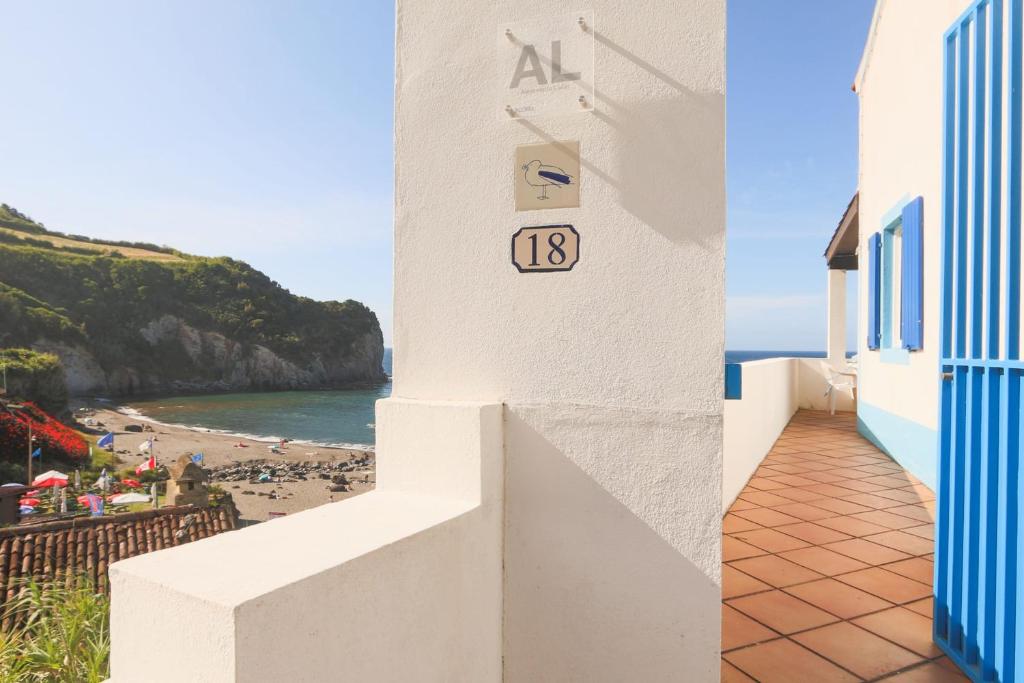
<point x="53" y="438"/>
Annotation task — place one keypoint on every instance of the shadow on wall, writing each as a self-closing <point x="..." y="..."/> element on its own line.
<point x="593" y="591"/>
<point x="657" y="134"/>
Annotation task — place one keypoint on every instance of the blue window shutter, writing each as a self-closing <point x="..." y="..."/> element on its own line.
<point x="912" y="276"/>
<point x="874" y="290"/>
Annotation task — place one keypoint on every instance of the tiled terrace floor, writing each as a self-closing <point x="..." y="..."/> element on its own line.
<point x="828" y="565"/>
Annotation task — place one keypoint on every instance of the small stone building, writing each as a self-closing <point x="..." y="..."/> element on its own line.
<point x="187" y="485"/>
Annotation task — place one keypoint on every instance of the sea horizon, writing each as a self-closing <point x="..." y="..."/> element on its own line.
<point x="340" y="418"/>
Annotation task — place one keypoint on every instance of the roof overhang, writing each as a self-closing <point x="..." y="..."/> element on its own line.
<point x="841" y="253"/>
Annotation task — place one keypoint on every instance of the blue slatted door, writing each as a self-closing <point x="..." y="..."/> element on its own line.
<point x="978" y="579"/>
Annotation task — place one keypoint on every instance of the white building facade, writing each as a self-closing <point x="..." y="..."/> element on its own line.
<point x="900" y="89"/>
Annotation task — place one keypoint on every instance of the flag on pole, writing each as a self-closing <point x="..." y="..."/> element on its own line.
<point x="198" y="458"/>
<point x="95" y="504"/>
<point x="145" y="445"/>
<point x="106" y="440"/>
<point x="149" y="464"/>
<point x="37" y="453"/>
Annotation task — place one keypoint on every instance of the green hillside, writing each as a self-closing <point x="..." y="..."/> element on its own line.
<point x="90" y="294"/>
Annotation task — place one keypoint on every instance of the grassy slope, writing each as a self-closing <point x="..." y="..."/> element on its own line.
<point x="72" y="288"/>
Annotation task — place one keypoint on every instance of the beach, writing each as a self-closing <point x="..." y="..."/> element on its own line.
<point x="222" y="450"/>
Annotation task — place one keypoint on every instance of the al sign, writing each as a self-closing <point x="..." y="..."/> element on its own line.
<point x="546" y="66"/>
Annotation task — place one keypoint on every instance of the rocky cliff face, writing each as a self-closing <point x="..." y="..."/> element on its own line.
<point x="190" y="360"/>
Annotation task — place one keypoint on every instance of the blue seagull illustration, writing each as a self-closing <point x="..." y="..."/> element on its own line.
<point x="544" y="176"/>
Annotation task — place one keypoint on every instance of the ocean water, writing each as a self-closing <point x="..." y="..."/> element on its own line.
<point x="329" y="418"/>
<point x="747" y="356"/>
<point x="320" y="417"/>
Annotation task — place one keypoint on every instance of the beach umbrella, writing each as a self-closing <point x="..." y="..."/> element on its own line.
<point x="51" y="478"/>
<point x="29" y="501"/>
<point x="11" y="483"/>
<point x="125" y="498"/>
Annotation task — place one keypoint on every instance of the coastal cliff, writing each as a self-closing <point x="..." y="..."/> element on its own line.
<point x="129" y="319"/>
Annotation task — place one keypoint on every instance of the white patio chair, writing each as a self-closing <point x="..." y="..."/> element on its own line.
<point x="836" y="381"/>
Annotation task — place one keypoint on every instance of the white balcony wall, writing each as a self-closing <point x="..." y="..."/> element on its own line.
<point x="399" y="584"/>
<point x="773" y="390"/>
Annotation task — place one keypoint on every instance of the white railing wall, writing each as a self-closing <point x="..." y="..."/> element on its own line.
<point x="773" y="390"/>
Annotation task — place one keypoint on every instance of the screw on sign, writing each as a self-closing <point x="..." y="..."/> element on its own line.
<point x="546" y="249"/>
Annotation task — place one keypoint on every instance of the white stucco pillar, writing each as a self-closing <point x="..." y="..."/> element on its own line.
<point x="611" y="373"/>
<point x="837" y="317"/>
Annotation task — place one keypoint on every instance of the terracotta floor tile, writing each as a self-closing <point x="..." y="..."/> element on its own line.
<point x="831" y="490"/>
<point x="904" y="542"/>
<point x="877" y="469"/>
<point x="730" y="674"/>
<point x="857" y="650"/>
<point x="918" y="512"/>
<point x="840" y="506"/>
<point x="770" y="540"/>
<point x="886" y="519"/>
<point x="811" y="466"/>
<point x="861" y="485"/>
<point x="823" y="561"/>
<point x="782" y="612"/>
<point x="838" y="598"/>
<point x="762" y="498"/>
<point x="778" y="572"/>
<point x="852" y="473"/>
<point x="916" y="568"/>
<point x="928" y="673"/>
<point x="799" y="495"/>
<point x="877" y="581"/>
<point x="851" y="526"/>
<point x="735" y="549"/>
<point x="827" y="503"/>
<point x="739" y="630"/>
<point x="873" y="501"/>
<point x="925" y="608"/>
<point x="891" y="481"/>
<point x="735" y="583"/>
<point x="824" y="477"/>
<point x="926" y="531"/>
<point x="812" y="533"/>
<point x="903" y="627"/>
<point x="795" y="480"/>
<point x="807" y="513"/>
<point x="768" y="517"/>
<point x="731" y="524"/>
<point x="903" y="495"/>
<point x="788" y="468"/>
<point x="866" y="551"/>
<point x="783" y="661"/>
<point x="764" y="484"/>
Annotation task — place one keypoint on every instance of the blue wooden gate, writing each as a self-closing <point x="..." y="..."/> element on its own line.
<point x="978" y="568"/>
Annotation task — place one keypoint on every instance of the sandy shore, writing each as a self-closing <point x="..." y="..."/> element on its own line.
<point x="171" y="442"/>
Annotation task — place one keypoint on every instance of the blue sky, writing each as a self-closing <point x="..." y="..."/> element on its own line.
<point x="262" y="130"/>
<point x="792" y="163"/>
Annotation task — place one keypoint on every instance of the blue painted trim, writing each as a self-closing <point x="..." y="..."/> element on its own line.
<point x="733" y="381"/>
<point x="894" y="356"/>
<point x="888" y="287"/>
<point x="909" y="443"/>
<point x="895" y="212"/>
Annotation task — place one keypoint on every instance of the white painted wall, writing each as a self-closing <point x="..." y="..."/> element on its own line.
<point x="399" y="584"/>
<point x="771" y="395"/>
<point x="900" y="92"/>
<point x="611" y="374"/>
